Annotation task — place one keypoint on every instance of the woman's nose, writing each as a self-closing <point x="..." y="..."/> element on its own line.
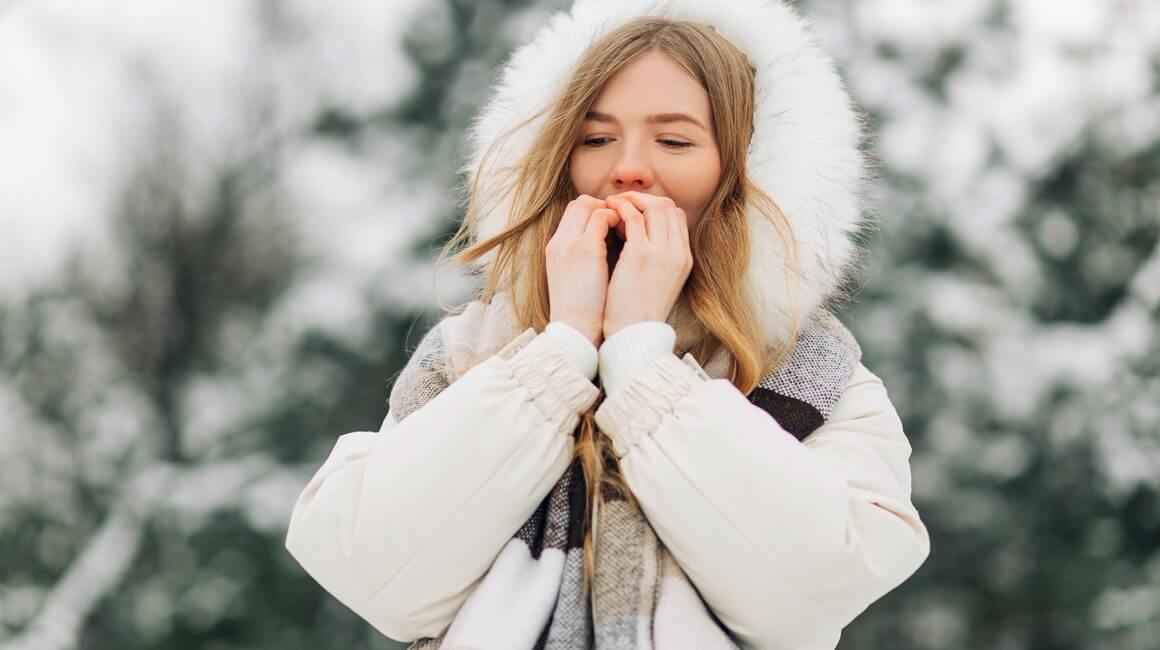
<point x="631" y="172"/>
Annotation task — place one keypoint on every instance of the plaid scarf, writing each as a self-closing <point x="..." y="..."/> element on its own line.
<point x="532" y="597"/>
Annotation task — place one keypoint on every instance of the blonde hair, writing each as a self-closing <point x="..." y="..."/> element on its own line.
<point x="541" y="188"/>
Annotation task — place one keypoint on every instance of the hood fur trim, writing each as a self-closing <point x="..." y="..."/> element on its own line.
<point x="805" y="151"/>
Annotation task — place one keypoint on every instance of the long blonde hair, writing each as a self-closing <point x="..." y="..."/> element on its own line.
<point x="540" y="187"/>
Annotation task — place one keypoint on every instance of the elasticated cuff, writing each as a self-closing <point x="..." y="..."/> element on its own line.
<point x="556" y="386"/>
<point x="638" y="408"/>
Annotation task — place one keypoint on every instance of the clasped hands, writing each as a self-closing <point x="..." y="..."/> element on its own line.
<point x="648" y="277"/>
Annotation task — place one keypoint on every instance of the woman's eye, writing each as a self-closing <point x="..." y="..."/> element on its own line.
<point x="676" y="144"/>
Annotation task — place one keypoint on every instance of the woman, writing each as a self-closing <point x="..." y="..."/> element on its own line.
<point x="663" y="201"/>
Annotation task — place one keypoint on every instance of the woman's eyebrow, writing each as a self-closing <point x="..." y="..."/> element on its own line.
<point x="655" y="118"/>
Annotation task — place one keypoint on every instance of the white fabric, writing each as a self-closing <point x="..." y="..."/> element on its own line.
<point x="383" y="522"/>
<point x="534" y="582"/>
<point x="573" y="345"/>
<point x="631" y="349"/>
<point x="763" y="524"/>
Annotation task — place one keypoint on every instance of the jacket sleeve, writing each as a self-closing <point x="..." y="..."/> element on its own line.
<point x="786" y="541"/>
<point x="401" y="524"/>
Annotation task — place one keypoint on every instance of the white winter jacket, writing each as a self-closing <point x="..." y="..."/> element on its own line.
<point x="784" y="540"/>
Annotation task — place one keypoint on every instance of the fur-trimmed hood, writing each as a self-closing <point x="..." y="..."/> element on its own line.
<point x="805" y="152"/>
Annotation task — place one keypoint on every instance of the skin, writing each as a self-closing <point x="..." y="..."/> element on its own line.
<point x="648" y="179"/>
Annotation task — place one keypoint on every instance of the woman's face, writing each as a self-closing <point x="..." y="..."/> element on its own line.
<point x="649" y="130"/>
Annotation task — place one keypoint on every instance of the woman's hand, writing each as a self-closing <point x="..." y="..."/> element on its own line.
<point x="577" y="265"/>
<point x="654" y="264"/>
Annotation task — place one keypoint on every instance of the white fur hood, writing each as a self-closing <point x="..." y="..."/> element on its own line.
<point x="804" y="153"/>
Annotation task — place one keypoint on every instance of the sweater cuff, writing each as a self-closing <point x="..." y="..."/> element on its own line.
<point x="574" y="346"/>
<point x="625" y="353"/>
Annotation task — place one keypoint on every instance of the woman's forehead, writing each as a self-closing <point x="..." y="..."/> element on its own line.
<point x="652" y="88"/>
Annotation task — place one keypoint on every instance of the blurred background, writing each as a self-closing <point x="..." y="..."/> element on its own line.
<point x="218" y="224"/>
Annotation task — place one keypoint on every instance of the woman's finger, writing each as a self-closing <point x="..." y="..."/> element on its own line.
<point x="665" y="221"/>
<point x="656" y="209"/>
<point x="645" y="202"/>
<point x="612" y="217"/>
<point x="635" y="224"/>
<point x="680" y="227"/>
<point x="670" y="219"/>
<point x="600" y="221"/>
<point x="577" y="215"/>
<point x="682" y="222"/>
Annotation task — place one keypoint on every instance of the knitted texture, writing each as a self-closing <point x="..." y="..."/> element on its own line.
<point x="424" y="376"/>
<point x="640" y="596"/>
